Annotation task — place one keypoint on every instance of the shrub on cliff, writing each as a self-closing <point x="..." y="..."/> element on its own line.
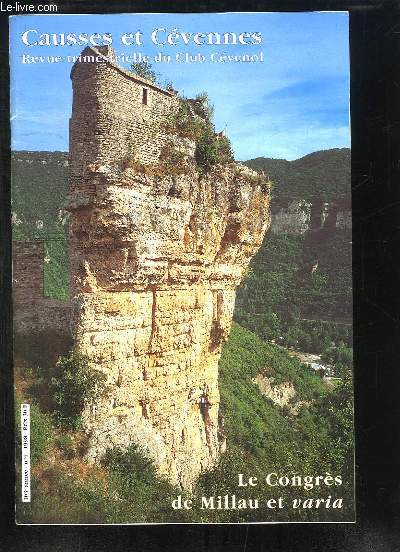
<point x="183" y="123"/>
<point x="192" y="120"/>
<point x="144" y="69"/>
<point x="131" y="474"/>
<point x="212" y="149"/>
<point x="74" y="384"/>
<point x="202" y="106"/>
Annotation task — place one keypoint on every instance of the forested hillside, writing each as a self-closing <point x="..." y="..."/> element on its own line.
<point x="39" y="191"/>
<point x="299" y="288"/>
<point x="282" y="299"/>
<point x="322" y="174"/>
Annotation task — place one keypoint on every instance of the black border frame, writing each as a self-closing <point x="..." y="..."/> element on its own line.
<point x="375" y="124"/>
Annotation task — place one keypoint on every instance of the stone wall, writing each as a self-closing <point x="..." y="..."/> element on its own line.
<point x="34" y="313"/>
<point x="156" y="262"/>
<point x="28" y="269"/>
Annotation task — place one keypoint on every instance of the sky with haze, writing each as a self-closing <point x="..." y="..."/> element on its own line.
<point x="294" y="103"/>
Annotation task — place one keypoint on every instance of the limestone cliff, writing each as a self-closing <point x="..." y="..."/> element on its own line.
<point x="156" y="259"/>
<point x="300" y="216"/>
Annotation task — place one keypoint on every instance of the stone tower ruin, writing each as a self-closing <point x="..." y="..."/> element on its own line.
<point x="157" y="252"/>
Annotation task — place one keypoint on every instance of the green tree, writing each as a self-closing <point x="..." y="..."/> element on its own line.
<point x="212" y="149"/>
<point x="203" y="106"/>
<point x="336" y="409"/>
<point x="145" y="70"/>
<point x="74" y="385"/>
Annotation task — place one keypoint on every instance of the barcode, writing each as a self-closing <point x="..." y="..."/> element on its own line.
<point x="26" y="452"/>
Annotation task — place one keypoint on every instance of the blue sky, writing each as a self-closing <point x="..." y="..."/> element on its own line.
<point x="295" y="102"/>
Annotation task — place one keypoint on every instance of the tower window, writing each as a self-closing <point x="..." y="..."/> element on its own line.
<point x="144" y="96"/>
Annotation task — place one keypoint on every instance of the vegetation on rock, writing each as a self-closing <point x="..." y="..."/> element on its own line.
<point x="212" y="149"/>
<point x="144" y="70"/>
<point x="193" y="120"/>
<point x="184" y="123"/>
<point x="74" y="384"/>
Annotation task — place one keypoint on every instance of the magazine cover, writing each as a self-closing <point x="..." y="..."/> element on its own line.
<point x="182" y="268"/>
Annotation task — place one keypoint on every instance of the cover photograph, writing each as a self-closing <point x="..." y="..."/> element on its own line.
<point x="182" y="285"/>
